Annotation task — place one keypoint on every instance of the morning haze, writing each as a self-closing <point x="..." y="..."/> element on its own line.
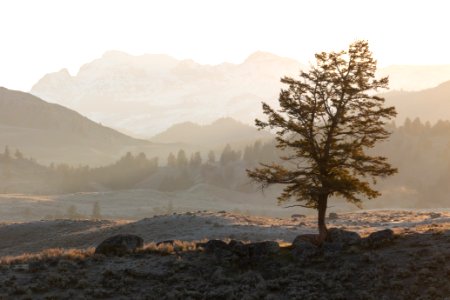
<point x="224" y="150"/>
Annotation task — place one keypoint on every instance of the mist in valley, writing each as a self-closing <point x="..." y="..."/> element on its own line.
<point x="179" y="168"/>
<point x="226" y="150"/>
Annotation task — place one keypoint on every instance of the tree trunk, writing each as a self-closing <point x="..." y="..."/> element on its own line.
<point x="322" y="209"/>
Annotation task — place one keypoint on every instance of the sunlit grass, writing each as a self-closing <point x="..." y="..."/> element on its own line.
<point x="80" y="254"/>
<point x="48" y="254"/>
<point x="171" y="247"/>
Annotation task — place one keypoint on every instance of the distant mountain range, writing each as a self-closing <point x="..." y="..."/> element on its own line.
<point x="145" y="95"/>
<point x="149" y="93"/>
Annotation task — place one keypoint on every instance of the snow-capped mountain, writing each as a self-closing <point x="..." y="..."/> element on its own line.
<point x="149" y="93"/>
<point x="144" y="95"/>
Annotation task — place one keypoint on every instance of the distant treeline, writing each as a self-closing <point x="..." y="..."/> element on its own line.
<point x="419" y="150"/>
<point x="180" y="172"/>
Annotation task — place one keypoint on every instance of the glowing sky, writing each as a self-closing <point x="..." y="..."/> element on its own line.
<point x="38" y="37"/>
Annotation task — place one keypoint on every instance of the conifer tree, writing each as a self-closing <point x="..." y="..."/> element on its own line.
<point x="211" y="157"/>
<point x="18" y="154"/>
<point x="327" y="120"/>
<point x="7" y="153"/>
<point x="96" y="215"/>
<point x="182" y="160"/>
<point x="171" y="160"/>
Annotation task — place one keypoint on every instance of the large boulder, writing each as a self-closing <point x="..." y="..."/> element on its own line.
<point x="265" y="248"/>
<point x="120" y="244"/>
<point x="238" y="251"/>
<point x="304" y="247"/>
<point x="297" y="216"/>
<point x="343" y="238"/>
<point x="379" y="238"/>
<point x="434" y="215"/>
<point x="213" y="246"/>
<point x="220" y="249"/>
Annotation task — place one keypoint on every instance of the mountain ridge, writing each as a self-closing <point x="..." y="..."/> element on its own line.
<point x="146" y="94"/>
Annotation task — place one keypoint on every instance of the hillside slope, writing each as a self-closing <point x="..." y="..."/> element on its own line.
<point x="224" y="130"/>
<point x="429" y="105"/>
<point x="50" y="132"/>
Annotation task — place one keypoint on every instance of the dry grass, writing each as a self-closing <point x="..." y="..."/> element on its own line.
<point x="48" y="254"/>
<point x="171" y="247"/>
<point x="80" y="254"/>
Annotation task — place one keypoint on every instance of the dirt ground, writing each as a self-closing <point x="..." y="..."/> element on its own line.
<point x="416" y="265"/>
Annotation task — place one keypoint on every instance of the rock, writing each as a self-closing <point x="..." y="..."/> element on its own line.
<point x="212" y="246"/>
<point x="434" y="215"/>
<point x="333" y="216"/>
<point x="120" y="244"/>
<point x="297" y="216"/>
<point x="343" y="237"/>
<point x="240" y="249"/>
<point x="331" y="249"/>
<point x="234" y="243"/>
<point x="263" y="248"/>
<point x="221" y="250"/>
<point x="310" y="238"/>
<point x="304" y="247"/>
<point x="236" y="250"/>
<point x="379" y="238"/>
<point x="166" y="242"/>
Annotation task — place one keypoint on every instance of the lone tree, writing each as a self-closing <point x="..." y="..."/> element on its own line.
<point x="327" y="120"/>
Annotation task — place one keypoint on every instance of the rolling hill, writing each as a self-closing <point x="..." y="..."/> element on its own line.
<point x="216" y="134"/>
<point x="429" y="105"/>
<point x="53" y="133"/>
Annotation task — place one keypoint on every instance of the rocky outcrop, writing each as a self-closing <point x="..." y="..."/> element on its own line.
<point x="239" y="251"/>
<point x="305" y="247"/>
<point x="120" y="244"/>
<point x="379" y="238"/>
<point x="343" y="237"/>
<point x="304" y="250"/>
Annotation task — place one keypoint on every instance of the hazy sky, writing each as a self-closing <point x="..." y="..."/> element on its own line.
<point x="38" y="37"/>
